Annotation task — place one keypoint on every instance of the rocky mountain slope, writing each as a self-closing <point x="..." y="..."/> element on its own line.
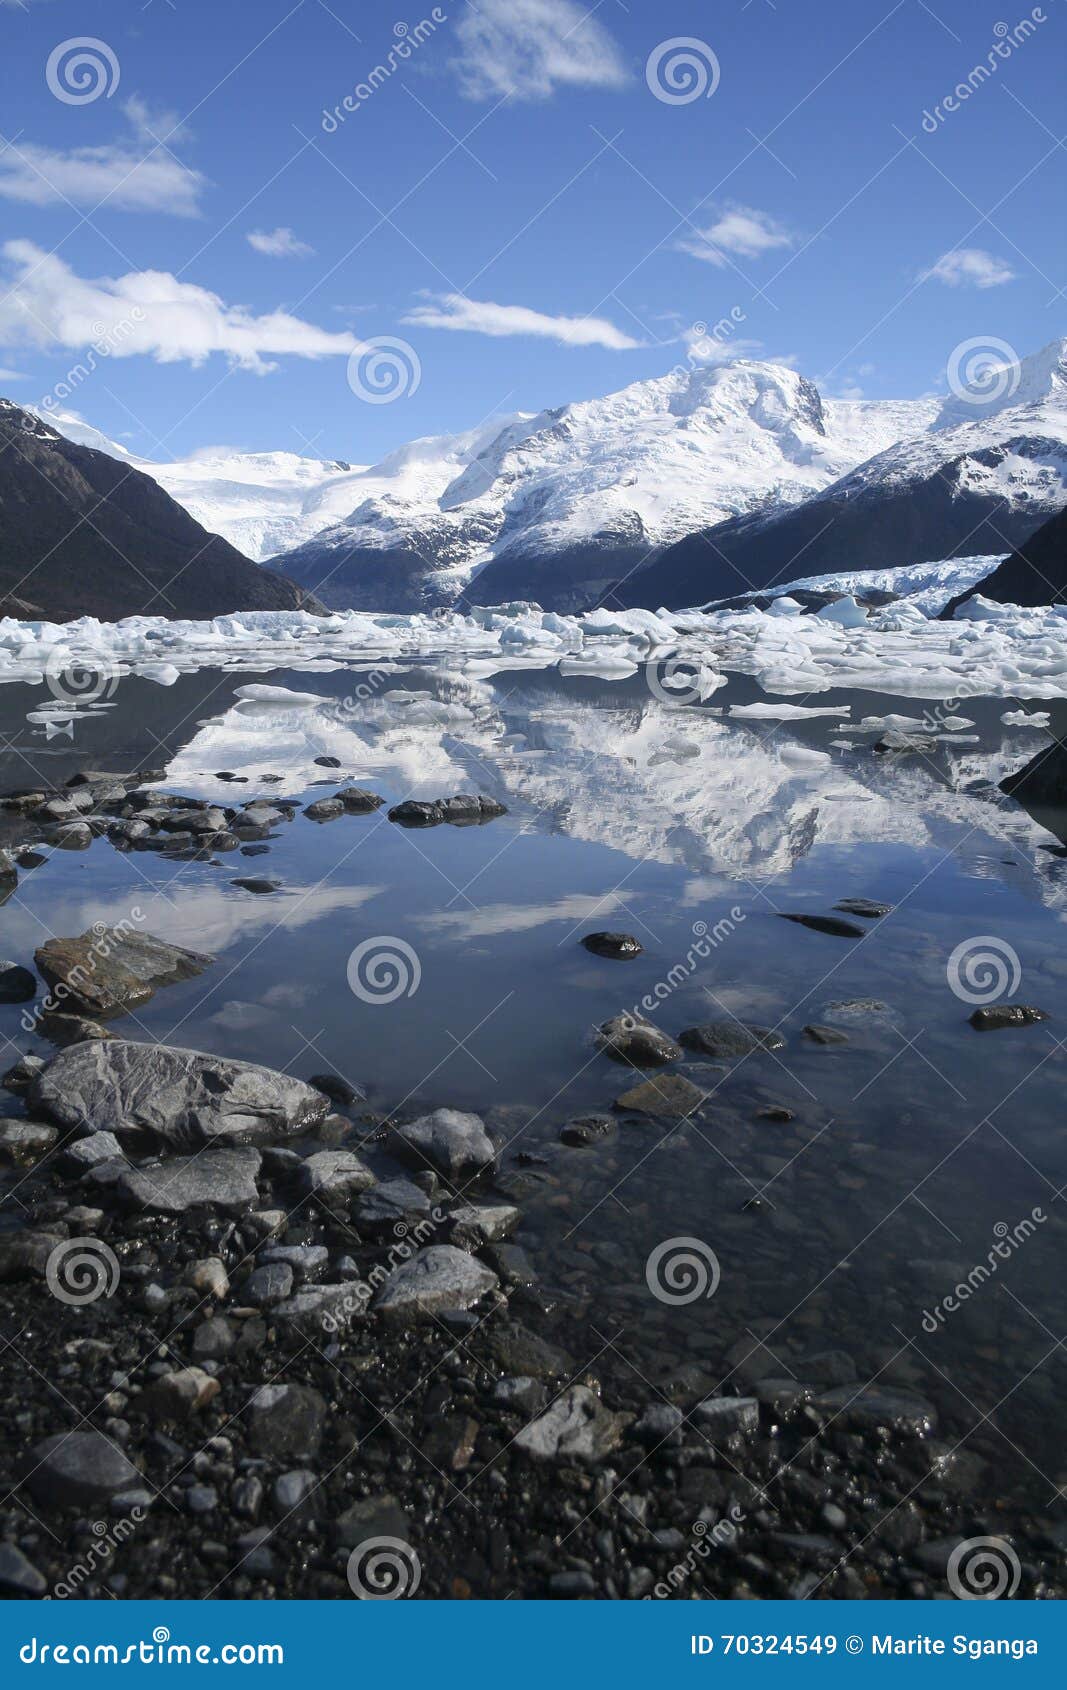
<point x="1034" y="574"/>
<point x="980" y="479"/>
<point x="84" y="534"/>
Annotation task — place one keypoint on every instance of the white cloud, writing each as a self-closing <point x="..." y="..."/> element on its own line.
<point x="529" y="48"/>
<point x="12" y="375"/>
<point x="131" y="175"/>
<point x="278" y="243"/>
<point x="969" y="266"/>
<point x="146" y="313"/>
<point x="481" y="316"/>
<point x="738" y="229"/>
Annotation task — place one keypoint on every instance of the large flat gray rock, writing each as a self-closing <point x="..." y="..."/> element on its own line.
<point x="449" y="1141"/>
<point x="182" y="1098"/>
<point x="440" y="1277"/>
<point x="217" y="1179"/>
<point x="107" y="972"/>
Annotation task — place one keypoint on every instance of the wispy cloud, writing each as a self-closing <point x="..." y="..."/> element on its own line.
<point x="529" y="48"/>
<point x="278" y="243"/>
<point x="969" y="267"/>
<point x="482" y="316"/>
<point x="738" y="230"/>
<point x="146" y="312"/>
<point x="135" y="174"/>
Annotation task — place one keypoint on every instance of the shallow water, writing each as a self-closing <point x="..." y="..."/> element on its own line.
<point x="913" y="1146"/>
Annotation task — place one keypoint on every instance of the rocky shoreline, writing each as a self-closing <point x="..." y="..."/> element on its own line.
<point x="262" y="1340"/>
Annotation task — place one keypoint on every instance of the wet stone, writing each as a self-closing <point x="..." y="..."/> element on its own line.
<point x="439" y="1277"/>
<point x="286" y="1420"/>
<point x="450" y="1141"/>
<point x="999" y="1016"/>
<point x="587" y="1129"/>
<point x="668" y="1095"/>
<point x="866" y="907"/>
<point x="620" y="947"/>
<point x="576" y="1427"/>
<point x="821" y="1035"/>
<point x="633" y="1040"/>
<point x="17" y="984"/>
<point x="729" y="1041"/>
<point x="78" y="1469"/>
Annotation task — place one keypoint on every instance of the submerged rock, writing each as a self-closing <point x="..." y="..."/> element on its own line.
<point x="622" y="947"/>
<point x="324" y="810"/>
<point x="825" y="1035"/>
<point x="670" y="1095"/>
<point x="182" y="1098"/>
<point x="865" y="907"/>
<point x="107" y="972"/>
<point x="630" y="1038"/>
<point x="730" y="1040"/>
<point x="587" y="1129"/>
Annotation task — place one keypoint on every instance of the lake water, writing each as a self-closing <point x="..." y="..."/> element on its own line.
<point x="913" y="1149"/>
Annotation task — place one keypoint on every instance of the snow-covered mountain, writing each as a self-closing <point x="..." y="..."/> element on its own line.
<point x="558" y="505"/>
<point x="979" y="479"/>
<point x="261" y="502"/>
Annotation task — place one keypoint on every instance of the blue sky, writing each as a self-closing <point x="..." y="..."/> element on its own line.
<point x="514" y="200"/>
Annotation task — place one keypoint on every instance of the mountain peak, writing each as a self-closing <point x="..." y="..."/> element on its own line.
<point x="987" y="378"/>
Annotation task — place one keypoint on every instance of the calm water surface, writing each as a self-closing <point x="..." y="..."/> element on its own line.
<point x="912" y="1147"/>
